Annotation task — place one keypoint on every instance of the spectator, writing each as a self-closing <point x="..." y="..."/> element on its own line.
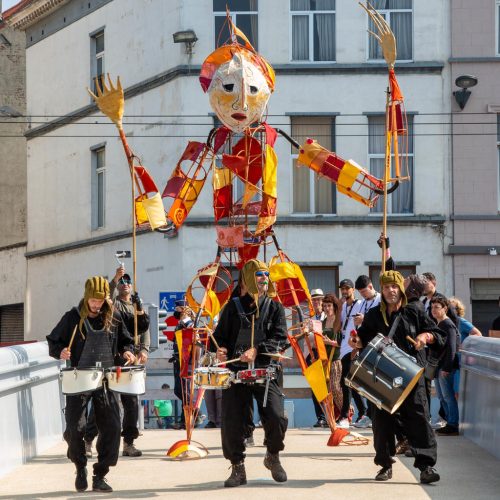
<point x="447" y="366"/>
<point x="317" y="297"/>
<point x="332" y="337"/>
<point x="350" y="308"/>
<point x="163" y="411"/>
<point x="496" y="322"/>
<point x="465" y="327"/>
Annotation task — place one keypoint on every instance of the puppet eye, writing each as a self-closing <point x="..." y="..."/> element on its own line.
<point x="253" y="89"/>
<point x="229" y="87"/>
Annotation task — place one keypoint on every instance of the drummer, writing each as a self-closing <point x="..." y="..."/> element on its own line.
<point x="121" y="292"/>
<point x="86" y="335"/>
<point x="414" y="412"/>
<point x="251" y="303"/>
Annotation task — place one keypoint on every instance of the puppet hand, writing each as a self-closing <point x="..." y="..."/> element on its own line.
<point x="384" y="35"/>
<point x="109" y="100"/>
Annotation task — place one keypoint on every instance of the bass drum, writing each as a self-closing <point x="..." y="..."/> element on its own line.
<point x="127" y="379"/>
<point x="384" y="374"/>
<point x="81" y="380"/>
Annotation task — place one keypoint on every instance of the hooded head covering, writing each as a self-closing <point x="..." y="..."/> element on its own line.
<point x="96" y="287"/>
<point x="391" y="278"/>
<point x="248" y="277"/>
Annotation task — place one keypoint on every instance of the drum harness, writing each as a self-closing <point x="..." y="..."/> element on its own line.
<point x="246" y="325"/>
<point x="380" y="346"/>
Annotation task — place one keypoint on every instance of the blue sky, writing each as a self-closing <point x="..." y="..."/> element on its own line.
<point x="7" y="4"/>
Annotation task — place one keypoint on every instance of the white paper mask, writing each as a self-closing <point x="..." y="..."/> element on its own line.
<point x="239" y="93"/>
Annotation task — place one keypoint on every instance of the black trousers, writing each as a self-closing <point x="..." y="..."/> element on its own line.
<point x="237" y="404"/>
<point x="413" y="415"/>
<point x="107" y="416"/>
<point x="347" y="393"/>
<point x="130" y="404"/>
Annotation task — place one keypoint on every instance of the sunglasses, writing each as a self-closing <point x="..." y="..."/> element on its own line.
<point x="262" y="273"/>
<point x="125" y="282"/>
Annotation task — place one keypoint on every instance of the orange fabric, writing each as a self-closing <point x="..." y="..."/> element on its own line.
<point x="298" y="353"/>
<point x="396" y="94"/>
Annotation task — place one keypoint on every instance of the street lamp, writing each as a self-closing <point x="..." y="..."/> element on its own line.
<point x="188" y="37"/>
<point x="464" y="82"/>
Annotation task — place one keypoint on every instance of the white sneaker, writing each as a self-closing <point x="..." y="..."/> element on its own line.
<point x="343" y="424"/>
<point x="363" y="423"/>
<point x="439" y="424"/>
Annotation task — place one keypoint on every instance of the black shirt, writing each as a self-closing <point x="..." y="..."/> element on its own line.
<point x="60" y="336"/>
<point x="274" y="326"/>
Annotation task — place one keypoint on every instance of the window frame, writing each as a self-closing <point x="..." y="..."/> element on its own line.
<point x="371" y="156"/>
<point x="234" y="17"/>
<point x="498" y="160"/>
<point x="98" y="209"/>
<point x="497" y="28"/>
<point x="96" y="56"/>
<point x="387" y="15"/>
<point x="312" y="174"/>
<point x="310" y="14"/>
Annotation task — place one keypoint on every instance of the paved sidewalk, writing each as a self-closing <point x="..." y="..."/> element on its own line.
<point x="314" y="470"/>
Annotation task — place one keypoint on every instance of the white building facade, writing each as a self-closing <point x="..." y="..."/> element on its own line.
<point x="329" y="85"/>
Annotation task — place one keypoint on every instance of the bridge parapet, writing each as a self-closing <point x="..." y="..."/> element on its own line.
<point x="31" y="420"/>
<point x="479" y="399"/>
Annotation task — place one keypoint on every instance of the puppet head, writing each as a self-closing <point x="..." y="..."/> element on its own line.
<point x="239" y="82"/>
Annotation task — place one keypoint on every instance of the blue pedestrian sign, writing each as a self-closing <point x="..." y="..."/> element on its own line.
<point x="167" y="300"/>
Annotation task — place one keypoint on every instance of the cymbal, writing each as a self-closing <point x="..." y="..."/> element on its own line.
<point x="275" y="355"/>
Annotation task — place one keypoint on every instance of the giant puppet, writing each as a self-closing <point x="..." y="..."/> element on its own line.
<point x="240" y="155"/>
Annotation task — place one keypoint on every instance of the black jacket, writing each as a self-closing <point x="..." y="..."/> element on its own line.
<point x="274" y="325"/>
<point x="413" y="322"/>
<point x="449" y="360"/>
<point x="60" y="336"/>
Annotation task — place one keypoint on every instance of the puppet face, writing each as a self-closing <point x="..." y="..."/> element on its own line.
<point x="239" y="93"/>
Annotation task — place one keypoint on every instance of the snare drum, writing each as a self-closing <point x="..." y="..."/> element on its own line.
<point x="255" y="375"/>
<point x="212" y="377"/>
<point x="384" y="374"/>
<point x="81" y="380"/>
<point x="127" y="379"/>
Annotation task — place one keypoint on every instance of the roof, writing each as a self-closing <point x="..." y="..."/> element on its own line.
<point x="28" y="12"/>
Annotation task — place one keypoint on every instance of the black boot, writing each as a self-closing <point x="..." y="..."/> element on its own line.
<point x="272" y="462"/>
<point x="238" y="476"/>
<point x="429" y="475"/>
<point x="100" y="484"/>
<point x="384" y="474"/>
<point x="81" y="483"/>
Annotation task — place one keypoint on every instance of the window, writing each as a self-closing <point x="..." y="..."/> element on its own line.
<point x="498" y="163"/>
<point x="12" y="323"/>
<point x="313" y="194"/>
<point x="98" y="183"/>
<point x="313" y="30"/>
<point x="244" y="14"/>
<point x="401" y="200"/>
<point x="374" y="273"/>
<point x="96" y="57"/>
<point x="399" y="16"/>
<point x="324" y="277"/>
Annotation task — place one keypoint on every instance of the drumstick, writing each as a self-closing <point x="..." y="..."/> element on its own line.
<point x="411" y="340"/>
<point x="72" y="338"/>
<point x="214" y="341"/>
<point x="127" y="363"/>
<point x="227" y="362"/>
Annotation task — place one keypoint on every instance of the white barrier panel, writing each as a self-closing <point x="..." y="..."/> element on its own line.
<point x="31" y="419"/>
<point x="479" y="399"/>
